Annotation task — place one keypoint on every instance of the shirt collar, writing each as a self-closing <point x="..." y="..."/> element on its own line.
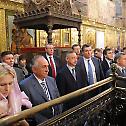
<point x="120" y="68"/>
<point x="86" y="59"/>
<point x="39" y="80"/>
<point x="108" y="60"/>
<point x="48" y="56"/>
<point x="70" y="67"/>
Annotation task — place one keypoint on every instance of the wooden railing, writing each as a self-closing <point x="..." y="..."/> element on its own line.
<point x="26" y="113"/>
<point x="103" y="109"/>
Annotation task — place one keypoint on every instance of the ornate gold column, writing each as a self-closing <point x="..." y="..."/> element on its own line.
<point x="10" y="6"/>
<point x="3" y="44"/>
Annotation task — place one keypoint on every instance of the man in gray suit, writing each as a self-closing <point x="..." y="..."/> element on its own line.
<point x="120" y="60"/>
<point x="41" y="88"/>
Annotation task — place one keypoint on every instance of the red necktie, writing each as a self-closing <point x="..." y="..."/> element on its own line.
<point x="53" y="68"/>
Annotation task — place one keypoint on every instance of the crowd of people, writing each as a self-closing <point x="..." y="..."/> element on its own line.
<point x="21" y="89"/>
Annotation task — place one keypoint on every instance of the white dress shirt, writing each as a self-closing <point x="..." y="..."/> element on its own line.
<point x="92" y="66"/>
<point x="48" y="57"/>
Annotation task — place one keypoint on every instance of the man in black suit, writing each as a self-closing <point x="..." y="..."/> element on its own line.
<point x="91" y="69"/>
<point x="108" y="56"/>
<point x="41" y="88"/>
<point x="69" y="80"/>
<point x="54" y="61"/>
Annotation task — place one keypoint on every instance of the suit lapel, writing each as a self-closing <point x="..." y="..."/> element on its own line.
<point x="84" y="69"/>
<point x="69" y="73"/>
<point x="95" y="64"/>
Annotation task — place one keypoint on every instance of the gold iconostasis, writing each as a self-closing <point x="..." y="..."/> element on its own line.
<point x="67" y="37"/>
<point x="60" y="38"/>
<point x="94" y="33"/>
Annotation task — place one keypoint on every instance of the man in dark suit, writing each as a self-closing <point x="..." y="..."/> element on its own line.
<point x="8" y="58"/>
<point x="108" y="56"/>
<point x="120" y="60"/>
<point x="91" y="69"/>
<point x="54" y="61"/>
<point x="41" y="88"/>
<point x="69" y="80"/>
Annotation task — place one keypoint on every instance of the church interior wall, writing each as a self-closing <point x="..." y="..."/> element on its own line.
<point x="99" y="17"/>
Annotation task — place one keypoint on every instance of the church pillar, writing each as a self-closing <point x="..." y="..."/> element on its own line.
<point x="79" y="36"/>
<point x="3" y="43"/>
<point x="49" y="33"/>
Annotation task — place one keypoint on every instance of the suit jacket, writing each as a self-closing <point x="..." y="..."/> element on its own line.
<point x="105" y="66"/>
<point x="119" y="83"/>
<point x="57" y="63"/>
<point x="19" y="73"/>
<point x="98" y="70"/>
<point x="37" y="96"/>
<point x="67" y="84"/>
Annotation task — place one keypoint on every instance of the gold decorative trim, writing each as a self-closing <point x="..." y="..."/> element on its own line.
<point x="10" y="5"/>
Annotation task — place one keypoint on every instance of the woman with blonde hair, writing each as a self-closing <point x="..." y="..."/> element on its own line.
<point x="11" y="98"/>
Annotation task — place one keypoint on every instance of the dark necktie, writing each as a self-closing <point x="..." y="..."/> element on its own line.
<point x="73" y="73"/>
<point x="53" y="68"/>
<point x="90" y="74"/>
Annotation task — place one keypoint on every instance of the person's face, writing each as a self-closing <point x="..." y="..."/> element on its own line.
<point x="98" y="54"/>
<point x="71" y="59"/>
<point x="87" y="52"/>
<point x="122" y="61"/>
<point x="6" y="84"/>
<point x="77" y="50"/>
<point x="124" y="51"/>
<point x="22" y="62"/>
<point x="110" y="55"/>
<point x="9" y="59"/>
<point x="41" y="69"/>
<point x="49" y="49"/>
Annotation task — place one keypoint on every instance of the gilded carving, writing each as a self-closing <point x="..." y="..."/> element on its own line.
<point x="25" y="39"/>
<point x="55" y="6"/>
<point x="90" y="37"/>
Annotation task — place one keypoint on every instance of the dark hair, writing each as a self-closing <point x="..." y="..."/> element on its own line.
<point x="106" y="50"/>
<point x="97" y="49"/>
<point x="85" y="46"/>
<point x="6" y="53"/>
<point x="75" y="45"/>
<point x="124" y="48"/>
<point x="22" y="57"/>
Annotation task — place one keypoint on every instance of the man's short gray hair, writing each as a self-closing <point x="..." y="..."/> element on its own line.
<point x="118" y="56"/>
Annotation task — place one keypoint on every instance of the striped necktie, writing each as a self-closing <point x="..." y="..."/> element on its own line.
<point x="45" y="88"/>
